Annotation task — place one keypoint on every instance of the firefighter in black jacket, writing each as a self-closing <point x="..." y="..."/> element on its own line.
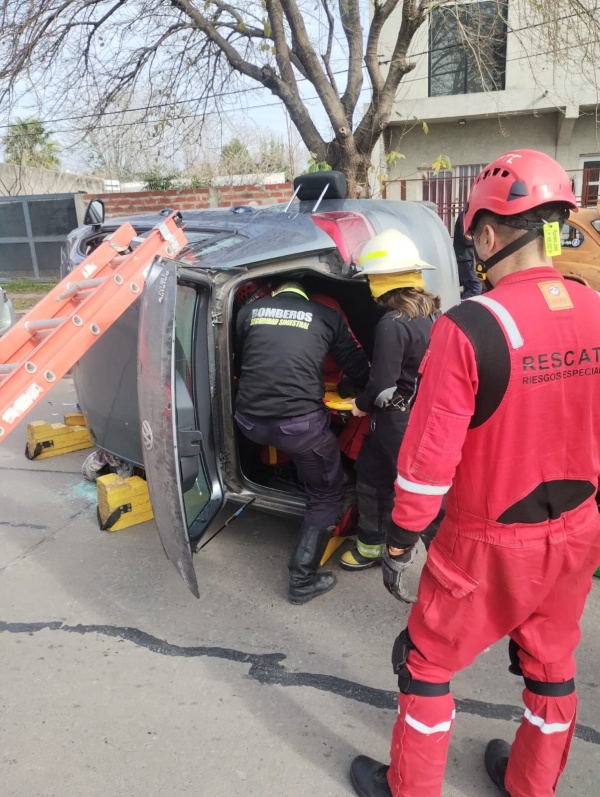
<point x="282" y="342"/>
<point x="393" y="266"/>
<point x="465" y="259"/>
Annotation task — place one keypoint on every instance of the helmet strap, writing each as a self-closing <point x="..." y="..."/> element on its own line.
<point x="483" y="266"/>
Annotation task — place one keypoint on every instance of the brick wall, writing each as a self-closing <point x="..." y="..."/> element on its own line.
<point x="193" y="198"/>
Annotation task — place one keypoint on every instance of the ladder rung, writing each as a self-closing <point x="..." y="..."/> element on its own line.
<point x="43" y="325"/>
<point x="82" y="285"/>
<point x="40" y="348"/>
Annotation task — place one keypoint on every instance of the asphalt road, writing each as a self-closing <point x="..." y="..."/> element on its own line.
<point x="117" y="682"/>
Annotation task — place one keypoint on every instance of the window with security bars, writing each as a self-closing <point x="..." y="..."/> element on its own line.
<point x="467" y="48"/>
<point x="590" y="193"/>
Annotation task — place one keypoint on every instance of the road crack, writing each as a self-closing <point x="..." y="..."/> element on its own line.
<point x="266" y="668"/>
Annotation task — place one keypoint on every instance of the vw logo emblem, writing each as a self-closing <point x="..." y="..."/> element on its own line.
<point x="147" y="436"/>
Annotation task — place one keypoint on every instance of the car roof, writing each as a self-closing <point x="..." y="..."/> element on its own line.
<point x="585" y="215"/>
<point x="226" y="239"/>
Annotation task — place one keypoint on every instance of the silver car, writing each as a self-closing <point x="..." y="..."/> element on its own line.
<point x="7" y="312"/>
<point x="173" y="349"/>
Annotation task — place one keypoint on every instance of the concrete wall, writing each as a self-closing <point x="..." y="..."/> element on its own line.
<point x="481" y="140"/>
<point x="20" y="181"/>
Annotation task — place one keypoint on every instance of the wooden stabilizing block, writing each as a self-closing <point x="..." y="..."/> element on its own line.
<point x="75" y="419"/>
<point x="122" y="502"/>
<point x="51" y="439"/>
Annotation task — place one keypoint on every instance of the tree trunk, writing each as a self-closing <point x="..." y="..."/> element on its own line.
<point x="356" y="168"/>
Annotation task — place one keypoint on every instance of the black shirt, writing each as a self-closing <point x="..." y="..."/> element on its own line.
<point x="400" y="345"/>
<point x="282" y="342"/>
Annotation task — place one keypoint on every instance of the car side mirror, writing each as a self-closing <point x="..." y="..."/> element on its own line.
<point x="94" y="213"/>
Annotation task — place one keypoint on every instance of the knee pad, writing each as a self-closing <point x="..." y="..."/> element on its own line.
<point x="513" y="654"/>
<point x="406" y="683"/>
<point x="542" y="688"/>
<point x="550" y="689"/>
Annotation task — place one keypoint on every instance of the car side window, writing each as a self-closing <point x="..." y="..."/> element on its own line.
<point x="197" y="497"/>
<point x="571" y="237"/>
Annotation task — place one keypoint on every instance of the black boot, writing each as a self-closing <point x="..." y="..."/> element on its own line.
<point x="369" y="777"/>
<point x="305" y="582"/>
<point x="496" y="759"/>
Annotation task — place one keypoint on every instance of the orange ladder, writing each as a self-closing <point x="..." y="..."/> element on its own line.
<point x="54" y="334"/>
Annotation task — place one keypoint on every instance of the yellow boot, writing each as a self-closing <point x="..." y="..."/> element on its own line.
<point x="362" y="556"/>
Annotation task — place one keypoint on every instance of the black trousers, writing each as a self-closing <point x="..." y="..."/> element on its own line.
<point x="315" y="453"/>
<point x="376" y="470"/>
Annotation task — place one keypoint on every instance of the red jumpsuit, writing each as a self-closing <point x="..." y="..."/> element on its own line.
<point x="507" y="423"/>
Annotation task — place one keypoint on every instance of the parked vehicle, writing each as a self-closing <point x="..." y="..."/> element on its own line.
<point x="196" y="453"/>
<point x="7" y="312"/>
<point x="580" y="240"/>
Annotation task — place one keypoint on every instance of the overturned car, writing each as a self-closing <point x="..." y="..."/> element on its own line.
<point x="177" y="340"/>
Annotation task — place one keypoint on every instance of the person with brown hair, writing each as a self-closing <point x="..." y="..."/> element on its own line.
<point x="393" y="267"/>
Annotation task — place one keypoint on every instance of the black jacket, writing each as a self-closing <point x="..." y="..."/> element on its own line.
<point x="281" y="345"/>
<point x="463" y="247"/>
<point x="465" y="257"/>
<point x="400" y="345"/>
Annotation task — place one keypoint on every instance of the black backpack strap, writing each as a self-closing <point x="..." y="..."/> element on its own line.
<point x="492" y="355"/>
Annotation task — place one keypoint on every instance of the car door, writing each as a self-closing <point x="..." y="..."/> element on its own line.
<point x="174" y="398"/>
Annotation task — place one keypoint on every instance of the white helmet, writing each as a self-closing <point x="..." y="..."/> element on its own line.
<point x="389" y="252"/>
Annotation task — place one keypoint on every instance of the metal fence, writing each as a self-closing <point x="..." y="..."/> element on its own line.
<point x="32" y="230"/>
<point x="449" y="190"/>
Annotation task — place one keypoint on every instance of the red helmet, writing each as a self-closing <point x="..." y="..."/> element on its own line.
<point x="250" y="291"/>
<point x="517" y="182"/>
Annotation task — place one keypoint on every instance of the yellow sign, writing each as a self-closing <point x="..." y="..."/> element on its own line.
<point x="552" y="239"/>
<point x="556" y="295"/>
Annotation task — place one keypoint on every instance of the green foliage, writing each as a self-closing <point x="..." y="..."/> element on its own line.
<point x="28" y="143"/>
<point x="157" y="181"/>
<point x="236" y="158"/>
<point x="441" y="163"/>
<point x="393" y="156"/>
<point x="27" y="286"/>
<point x="273" y="156"/>
<point x="195" y="181"/>
<point x="315" y="165"/>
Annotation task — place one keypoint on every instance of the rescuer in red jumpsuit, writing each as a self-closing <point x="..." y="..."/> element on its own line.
<point x="507" y="423"/>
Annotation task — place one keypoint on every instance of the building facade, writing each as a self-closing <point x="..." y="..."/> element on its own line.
<point x="491" y="76"/>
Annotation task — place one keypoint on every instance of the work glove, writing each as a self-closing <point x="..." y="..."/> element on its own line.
<point x="393" y="568"/>
<point x="346" y="389"/>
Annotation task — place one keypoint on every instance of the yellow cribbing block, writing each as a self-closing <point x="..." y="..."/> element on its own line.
<point x="51" y="439"/>
<point x="122" y="502"/>
<point x="75" y="419"/>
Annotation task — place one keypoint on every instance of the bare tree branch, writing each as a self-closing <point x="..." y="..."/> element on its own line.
<point x="327" y="55"/>
<point x="309" y="59"/>
<point x="350" y="18"/>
